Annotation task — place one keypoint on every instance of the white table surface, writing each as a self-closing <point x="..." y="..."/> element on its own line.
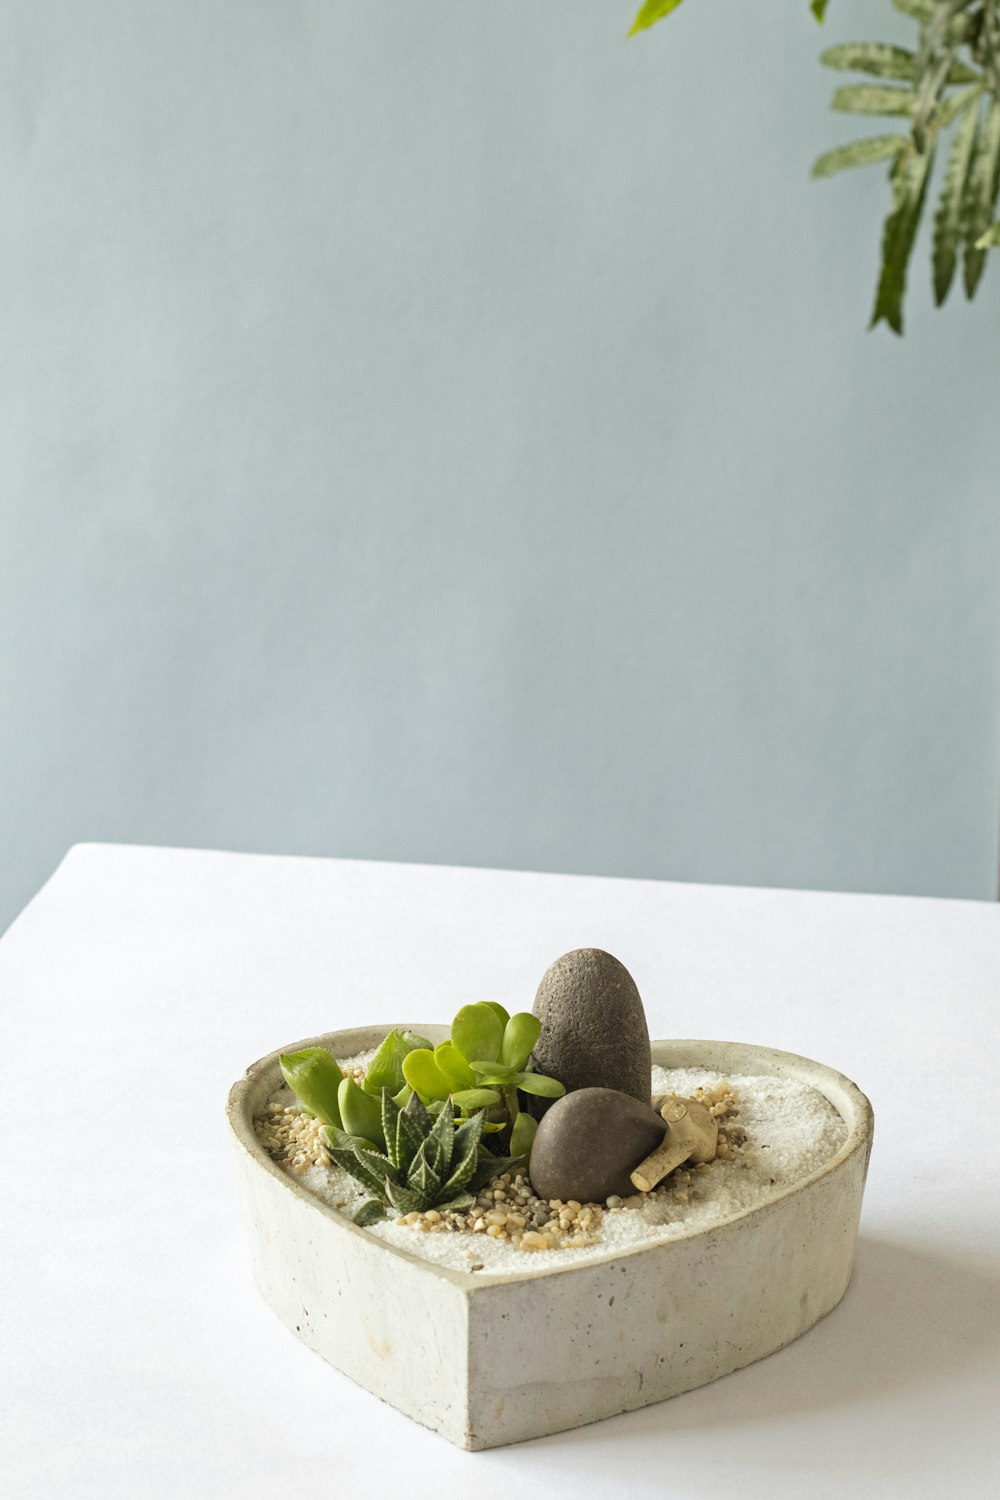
<point x="138" y="1359"/>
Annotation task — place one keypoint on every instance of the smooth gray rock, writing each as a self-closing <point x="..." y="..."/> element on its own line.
<point x="589" y="1142"/>
<point x="594" y="1032"/>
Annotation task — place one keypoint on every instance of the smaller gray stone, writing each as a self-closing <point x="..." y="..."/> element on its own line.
<point x="589" y="1142"/>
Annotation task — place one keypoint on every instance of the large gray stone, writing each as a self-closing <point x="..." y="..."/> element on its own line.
<point x="594" y="1032"/>
<point x="589" y="1142"/>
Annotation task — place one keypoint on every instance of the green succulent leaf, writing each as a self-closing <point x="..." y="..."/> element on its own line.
<point x="360" y="1113"/>
<point x="481" y="1098"/>
<point x="909" y="191"/>
<point x="385" y="1071"/>
<point x="948" y="220"/>
<point x="376" y="1161"/>
<point x="408" y="1140"/>
<point x="465" y="1154"/>
<point x="538" y="1083"/>
<point x="522" y="1136"/>
<point x="990" y="239"/>
<point x="498" y="1010"/>
<point x="422" y="1177"/>
<point x="460" y="1201"/>
<point x="423" y="1074"/>
<point x="440" y="1144"/>
<point x="477" y="1031"/>
<point x="859" y="154"/>
<point x="390" y="1128"/>
<point x="416" y="1112"/>
<point x="369" y="1213"/>
<point x="651" y="12"/>
<point x="870" y="99"/>
<point x="981" y="195"/>
<point x="405" y="1200"/>
<point x="356" y="1168"/>
<point x="520" y="1035"/>
<point x="453" y="1066"/>
<point x="314" y="1077"/>
<point x="487" y="1167"/>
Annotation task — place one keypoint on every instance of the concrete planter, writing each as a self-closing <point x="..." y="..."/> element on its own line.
<point x="623" y="1330"/>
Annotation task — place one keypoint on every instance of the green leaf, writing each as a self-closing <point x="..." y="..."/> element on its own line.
<point x="385" y="1071"/>
<point x="454" y="1066"/>
<point x="651" y="12"/>
<point x="360" y="1172"/>
<point x="465" y="1153"/>
<point x="360" y="1113"/>
<point x="405" y="1200"/>
<point x="369" y="1213"/>
<point x="477" y="1031"/>
<point x="408" y="1139"/>
<point x="909" y="190"/>
<point x="818" y="8"/>
<point x="497" y="1010"/>
<point x="860" y="154"/>
<point x="869" y="99"/>
<point x="948" y="110"/>
<point x="467" y="1099"/>
<point x="520" y="1035"/>
<point x="314" y="1077"/>
<point x="422" y="1177"/>
<point x="537" y="1083"/>
<point x="460" y="1201"/>
<point x="522" y="1136"/>
<point x="991" y="238"/>
<point x="981" y="195"/>
<point x="879" y="60"/>
<point x="416" y="1112"/>
<point x="876" y="58"/>
<point x="380" y="1166"/>
<point x="488" y="1167"/>
<point x="390" y="1129"/>
<point x="423" y="1074"/>
<point x="948" y="219"/>
<point x="440" y="1144"/>
<point x="918" y="10"/>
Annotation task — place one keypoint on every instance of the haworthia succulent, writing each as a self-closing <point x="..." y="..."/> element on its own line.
<point x="909" y="190"/>
<point x="862" y="153"/>
<point x="981" y="195"/>
<point x="948" y="220"/>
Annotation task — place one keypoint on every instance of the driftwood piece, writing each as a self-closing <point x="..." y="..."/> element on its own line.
<point x="692" y="1135"/>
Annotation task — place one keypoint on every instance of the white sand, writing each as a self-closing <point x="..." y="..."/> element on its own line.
<point x="791" y="1131"/>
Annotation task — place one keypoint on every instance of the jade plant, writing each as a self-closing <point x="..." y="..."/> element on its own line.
<point x="428" y="1160"/>
<point x="483" y="1066"/>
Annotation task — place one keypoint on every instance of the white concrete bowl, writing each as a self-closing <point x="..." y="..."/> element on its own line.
<point x="492" y="1362"/>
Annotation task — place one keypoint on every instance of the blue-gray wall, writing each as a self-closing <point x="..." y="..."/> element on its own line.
<point x="447" y="432"/>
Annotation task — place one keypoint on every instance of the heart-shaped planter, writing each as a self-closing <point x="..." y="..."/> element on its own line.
<point x="488" y="1362"/>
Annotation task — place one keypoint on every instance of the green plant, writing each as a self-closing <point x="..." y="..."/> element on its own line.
<point x="427" y="1161"/>
<point x="483" y="1066"/>
<point x="949" y="82"/>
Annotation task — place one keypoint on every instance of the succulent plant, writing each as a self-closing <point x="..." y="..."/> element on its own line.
<point x="483" y="1066"/>
<point x="429" y="1160"/>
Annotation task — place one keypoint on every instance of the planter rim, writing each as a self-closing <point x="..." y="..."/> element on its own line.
<point x="845" y="1096"/>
